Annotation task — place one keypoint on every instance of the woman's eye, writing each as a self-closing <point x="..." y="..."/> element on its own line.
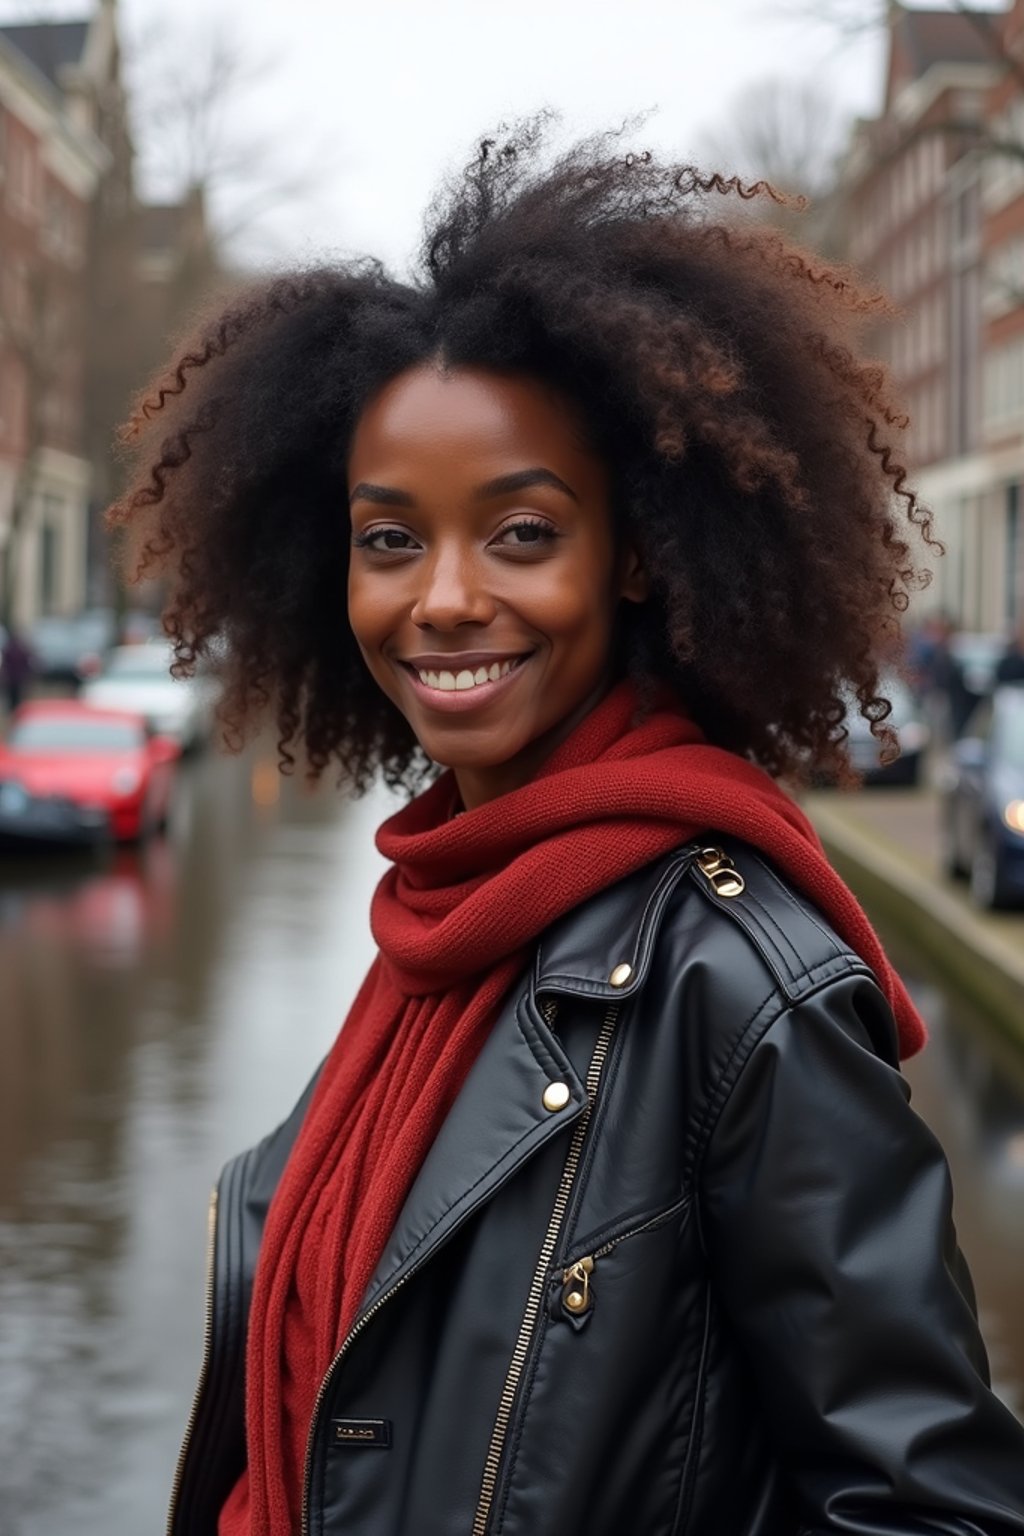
<point x="384" y="540"/>
<point x="524" y="535"/>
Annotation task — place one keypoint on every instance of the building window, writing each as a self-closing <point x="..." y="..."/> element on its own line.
<point x="47" y="566"/>
<point x="13" y="404"/>
<point x="23" y="176"/>
<point x="1004" y="277"/>
<point x="62" y="230"/>
<point x="1014" y="552"/>
<point x="1004" y="385"/>
<point x="15" y="296"/>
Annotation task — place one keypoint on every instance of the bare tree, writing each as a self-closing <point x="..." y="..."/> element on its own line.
<point x="198" y="98"/>
<point x="792" y="135"/>
<point x="852" y="18"/>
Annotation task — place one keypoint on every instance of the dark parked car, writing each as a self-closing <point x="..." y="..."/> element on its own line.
<point x="71" y="647"/>
<point x="984" y="809"/>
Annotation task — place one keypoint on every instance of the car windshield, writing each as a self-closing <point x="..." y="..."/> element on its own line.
<point x="51" y="631"/>
<point x="968" y="647"/>
<point x="74" y="734"/>
<point x="140" y="663"/>
<point x="1011" y="732"/>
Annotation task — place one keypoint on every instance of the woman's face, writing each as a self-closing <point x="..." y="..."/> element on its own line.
<point x="484" y="575"/>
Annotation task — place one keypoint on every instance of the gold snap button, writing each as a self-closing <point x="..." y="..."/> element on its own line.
<point x="556" y="1095"/>
<point x="620" y="975"/>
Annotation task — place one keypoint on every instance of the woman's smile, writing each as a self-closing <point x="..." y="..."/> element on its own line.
<point x="464" y="682"/>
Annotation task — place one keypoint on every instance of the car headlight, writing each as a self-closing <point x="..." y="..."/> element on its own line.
<point x="125" y="781"/>
<point x="1013" y="815"/>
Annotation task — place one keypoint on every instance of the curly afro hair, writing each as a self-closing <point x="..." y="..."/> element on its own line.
<point x="753" y="453"/>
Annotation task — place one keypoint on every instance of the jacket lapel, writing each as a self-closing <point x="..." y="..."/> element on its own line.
<point x="498" y="1121"/>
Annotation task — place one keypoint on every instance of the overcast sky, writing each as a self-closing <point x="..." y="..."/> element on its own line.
<point x="385" y="94"/>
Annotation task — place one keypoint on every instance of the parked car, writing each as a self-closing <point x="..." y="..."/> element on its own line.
<point x="984" y="801"/>
<point x="71" y="647"/>
<point x="138" y="677"/>
<point x="973" y="660"/>
<point x="911" y="730"/>
<point x="71" y="773"/>
<point x="138" y="626"/>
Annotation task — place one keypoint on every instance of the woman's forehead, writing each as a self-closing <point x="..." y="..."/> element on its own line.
<point x="428" y="410"/>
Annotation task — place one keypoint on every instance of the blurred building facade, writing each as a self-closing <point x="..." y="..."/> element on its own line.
<point x="92" y="280"/>
<point x="51" y="165"/>
<point x="933" y="201"/>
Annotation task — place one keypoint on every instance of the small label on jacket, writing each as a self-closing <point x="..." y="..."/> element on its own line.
<point x="360" y="1432"/>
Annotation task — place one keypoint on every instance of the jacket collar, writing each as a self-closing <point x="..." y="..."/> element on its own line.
<point x="612" y="935"/>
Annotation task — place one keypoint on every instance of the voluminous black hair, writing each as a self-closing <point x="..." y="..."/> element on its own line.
<point x="754" y="454"/>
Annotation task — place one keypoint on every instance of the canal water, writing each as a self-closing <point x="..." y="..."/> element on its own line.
<point x="160" y="1010"/>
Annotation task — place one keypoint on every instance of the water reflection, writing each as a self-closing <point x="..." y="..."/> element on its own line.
<point x="161" y="1009"/>
<point x="969" y="1086"/>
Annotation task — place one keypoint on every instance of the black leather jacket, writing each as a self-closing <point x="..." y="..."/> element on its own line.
<point x="707" y="1284"/>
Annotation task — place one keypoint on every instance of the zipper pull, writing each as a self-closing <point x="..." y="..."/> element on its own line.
<point x="577" y="1297"/>
<point x="723" y="879"/>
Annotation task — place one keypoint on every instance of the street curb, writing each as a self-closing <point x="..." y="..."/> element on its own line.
<point x="980" y="963"/>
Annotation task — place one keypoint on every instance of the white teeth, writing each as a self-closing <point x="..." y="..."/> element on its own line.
<point x="450" y="682"/>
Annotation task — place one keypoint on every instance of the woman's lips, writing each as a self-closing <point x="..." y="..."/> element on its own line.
<point x="452" y="692"/>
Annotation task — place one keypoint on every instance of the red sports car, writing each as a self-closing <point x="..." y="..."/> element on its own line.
<point x="73" y="773"/>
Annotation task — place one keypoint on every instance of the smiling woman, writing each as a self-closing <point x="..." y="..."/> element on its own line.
<point x="606" y="1212"/>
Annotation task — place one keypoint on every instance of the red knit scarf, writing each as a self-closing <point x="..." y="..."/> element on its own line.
<point x="454" y="920"/>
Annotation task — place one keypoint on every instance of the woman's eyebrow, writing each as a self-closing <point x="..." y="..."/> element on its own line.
<point x="522" y="480"/>
<point x="383" y="495"/>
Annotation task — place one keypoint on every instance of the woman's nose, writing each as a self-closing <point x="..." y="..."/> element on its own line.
<point x="452" y="592"/>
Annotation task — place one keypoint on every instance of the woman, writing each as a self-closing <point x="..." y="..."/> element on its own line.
<point x="606" y="1213"/>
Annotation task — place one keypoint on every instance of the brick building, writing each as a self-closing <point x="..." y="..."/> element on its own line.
<point x="992" y="477"/>
<point x="933" y="191"/>
<point x="91" y="282"/>
<point x="50" y="167"/>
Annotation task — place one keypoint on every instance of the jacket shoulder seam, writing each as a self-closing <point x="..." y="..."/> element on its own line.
<point x="753" y="916"/>
<point x="807" y="911"/>
<point x="752" y="1031"/>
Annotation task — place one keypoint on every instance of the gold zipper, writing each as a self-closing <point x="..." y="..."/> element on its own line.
<point x="723" y="879"/>
<point x="204" y="1365"/>
<point x="521" y="1351"/>
<point x="577" y="1295"/>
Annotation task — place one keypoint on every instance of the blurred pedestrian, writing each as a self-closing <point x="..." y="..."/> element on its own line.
<point x="931" y="667"/>
<point x="17" y="665"/>
<point x="607" y="1211"/>
<point x="1010" y="667"/>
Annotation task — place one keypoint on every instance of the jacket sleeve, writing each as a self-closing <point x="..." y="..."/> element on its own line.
<point x="826" y="1206"/>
